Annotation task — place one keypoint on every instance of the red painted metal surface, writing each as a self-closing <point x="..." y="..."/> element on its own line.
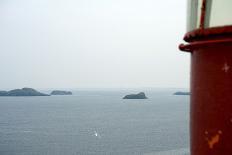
<point x="211" y="100"/>
<point x="211" y="90"/>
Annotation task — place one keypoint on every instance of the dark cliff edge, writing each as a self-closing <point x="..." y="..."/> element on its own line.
<point x="61" y="92"/>
<point x="140" y="95"/>
<point x="22" y="92"/>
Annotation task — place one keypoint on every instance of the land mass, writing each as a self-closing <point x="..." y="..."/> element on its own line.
<point x="181" y="93"/>
<point x="140" y="95"/>
<point x="22" y="92"/>
<point x="61" y="92"/>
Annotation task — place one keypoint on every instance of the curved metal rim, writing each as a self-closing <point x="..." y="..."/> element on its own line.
<point x="201" y="34"/>
<point x="198" y="44"/>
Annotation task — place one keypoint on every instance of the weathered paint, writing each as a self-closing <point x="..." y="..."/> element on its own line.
<point x="214" y="139"/>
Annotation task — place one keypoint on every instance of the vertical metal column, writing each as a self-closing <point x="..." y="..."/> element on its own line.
<point x="211" y="91"/>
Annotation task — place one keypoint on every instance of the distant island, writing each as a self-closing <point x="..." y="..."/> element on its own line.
<point x="22" y="92"/>
<point x="61" y="92"/>
<point x="140" y="95"/>
<point x="181" y="93"/>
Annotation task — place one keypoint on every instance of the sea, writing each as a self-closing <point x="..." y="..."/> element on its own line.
<point x="95" y="122"/>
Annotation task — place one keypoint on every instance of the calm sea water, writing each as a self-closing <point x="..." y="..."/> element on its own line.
<point x="95" y="123"/>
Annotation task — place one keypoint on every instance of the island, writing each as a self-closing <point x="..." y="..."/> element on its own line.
<point x="140" y="95"/>
<point x="181" y="93"/>
<point x="22" y="92"/>
<point x="61" y="92"/>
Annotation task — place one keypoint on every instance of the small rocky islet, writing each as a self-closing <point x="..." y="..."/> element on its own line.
<point x="22" y="92"/>
<point x="61" y="92"/>
<point x="181" y="93"/>
<point x="140" y="95"/>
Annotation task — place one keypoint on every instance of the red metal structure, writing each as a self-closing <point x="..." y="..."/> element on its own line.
<point x="211" y="79"/>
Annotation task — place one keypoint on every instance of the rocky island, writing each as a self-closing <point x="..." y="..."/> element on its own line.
<point x="140" y="95"/>
<point x="61" y="92"/>
<point x="22" y="92"/>
<point x="181" y="93"/>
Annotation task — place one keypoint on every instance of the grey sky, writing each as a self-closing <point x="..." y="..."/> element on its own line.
<point x="92" y="43"/>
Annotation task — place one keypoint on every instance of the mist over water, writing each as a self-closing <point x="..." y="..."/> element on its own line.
<point x="95" y="123"/>
<point x="92" y="44"/>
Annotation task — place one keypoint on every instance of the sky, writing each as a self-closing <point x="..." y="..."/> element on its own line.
<point x="93" y="44"/>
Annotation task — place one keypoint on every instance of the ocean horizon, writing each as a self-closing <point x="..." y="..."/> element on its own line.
<point x="96" y="122"/>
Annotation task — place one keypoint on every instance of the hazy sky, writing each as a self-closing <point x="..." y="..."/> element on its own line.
<point x="92" y="43"/>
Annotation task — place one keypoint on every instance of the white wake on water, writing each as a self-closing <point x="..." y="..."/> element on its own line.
<point x="96" y="134"/>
